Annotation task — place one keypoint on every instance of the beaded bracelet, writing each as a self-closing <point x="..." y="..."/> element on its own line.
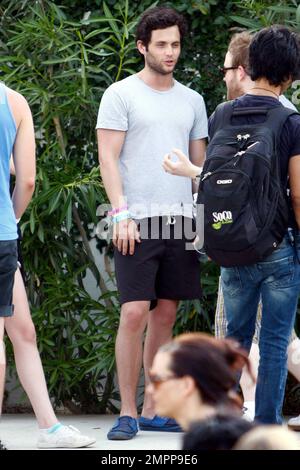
<point x="118" y="210"/>
<point x="122" y="216"/>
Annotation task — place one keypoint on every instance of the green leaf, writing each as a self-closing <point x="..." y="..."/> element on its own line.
<point x="112" y="22"/>
<point x="67" y="204"/>
<point x="251" y="24"/>
<point x="32" y="221"/>
<point x="298" y="15"/>
<point x="69" y="218"/>
<point x="54" y="201"/>
<point x="40" y="233"/>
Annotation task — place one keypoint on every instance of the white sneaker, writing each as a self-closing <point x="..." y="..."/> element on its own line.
<point x="294" y="423"/>
<point x="249" y="410"/>
<point x="65" y="436"/>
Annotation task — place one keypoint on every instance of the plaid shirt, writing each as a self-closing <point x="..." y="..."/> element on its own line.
<point x="221" y="322"/>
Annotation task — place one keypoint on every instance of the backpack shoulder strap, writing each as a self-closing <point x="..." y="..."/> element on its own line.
<point x="276" y="118"/>
<point x="221" y="117"/>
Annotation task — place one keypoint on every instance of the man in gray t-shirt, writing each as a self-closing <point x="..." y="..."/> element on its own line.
<point x="141" y="118"/>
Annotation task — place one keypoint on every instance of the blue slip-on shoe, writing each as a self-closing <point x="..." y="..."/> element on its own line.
<point x="125" y="428"/>
<point x="159" y="423"/>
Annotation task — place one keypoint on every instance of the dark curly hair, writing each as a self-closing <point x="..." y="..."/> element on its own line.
<point x="159" y="18"/>
<point x="274" y="54"/>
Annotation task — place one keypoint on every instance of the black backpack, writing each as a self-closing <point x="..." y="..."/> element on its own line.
<point x="246" y="210"/>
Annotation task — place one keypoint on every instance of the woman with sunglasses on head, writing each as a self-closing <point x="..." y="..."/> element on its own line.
<point x="194" y="376"/>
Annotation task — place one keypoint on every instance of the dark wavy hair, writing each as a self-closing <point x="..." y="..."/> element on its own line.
<point x="274" y="54"/>
<point x="159" y="18"/>
<point x="213" y="363"/>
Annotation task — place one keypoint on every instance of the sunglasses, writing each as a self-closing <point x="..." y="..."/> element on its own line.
<point x="223" y="70"/>
<point x="156" y="380"/>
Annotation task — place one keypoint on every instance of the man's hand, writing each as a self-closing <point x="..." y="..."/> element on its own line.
<point x="183" y="167"/>
<point x="126" y="233"/>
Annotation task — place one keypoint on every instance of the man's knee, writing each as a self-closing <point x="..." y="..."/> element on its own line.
<point x="133" y="318"/>
<point x="165" y="317"/>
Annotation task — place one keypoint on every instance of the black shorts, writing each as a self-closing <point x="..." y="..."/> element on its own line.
<point x="8" y="267"/>
<point x="163" y="266"/>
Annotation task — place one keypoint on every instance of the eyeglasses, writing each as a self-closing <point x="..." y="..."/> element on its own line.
<point x="156" y="380"/>
<point x="223" y="70"/>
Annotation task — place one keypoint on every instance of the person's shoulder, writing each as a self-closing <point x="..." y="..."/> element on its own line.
<point x="15" y="96"/>
<point x="189" y="92"/>
<point x="19" y="106"/>
<point x="294" y="121"/>
<point x="123" y="85"/>
<point x="223" y="107"/>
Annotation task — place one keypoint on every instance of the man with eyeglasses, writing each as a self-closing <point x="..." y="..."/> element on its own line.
<point x="236" y="69"/>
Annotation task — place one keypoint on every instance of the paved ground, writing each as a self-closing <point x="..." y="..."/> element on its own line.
<point x="19" y="432"/>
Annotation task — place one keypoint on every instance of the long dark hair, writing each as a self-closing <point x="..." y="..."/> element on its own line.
<point x="213" y="363"/>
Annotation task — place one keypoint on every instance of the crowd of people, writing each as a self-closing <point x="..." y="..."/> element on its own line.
<point x="153" y="153"/>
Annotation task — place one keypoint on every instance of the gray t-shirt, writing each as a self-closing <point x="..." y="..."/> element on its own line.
<point x="155" y="122"/>
<point x="287" y="103"/>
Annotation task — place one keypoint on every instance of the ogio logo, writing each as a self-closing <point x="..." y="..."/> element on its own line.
<point x="221" y="218"/>
<point x="224" y="181"/>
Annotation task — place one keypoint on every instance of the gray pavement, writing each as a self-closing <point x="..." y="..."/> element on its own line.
<point x="19" y="432"/>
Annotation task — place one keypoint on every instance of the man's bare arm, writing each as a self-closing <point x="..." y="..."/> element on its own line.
<point x="197" y="150"/>
<point x="294" y="175"/>
<point x="110" y="143"/>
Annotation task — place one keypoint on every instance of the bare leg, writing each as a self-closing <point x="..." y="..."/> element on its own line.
<point x="247" y="385"/>
<point x="129" y="347"/>
<point x="21" y="332"/>
<point x="294" y="358"/>
<point x="159" y="332"/>
<point x="293" y="366"/>
<point x="2" y="362"/>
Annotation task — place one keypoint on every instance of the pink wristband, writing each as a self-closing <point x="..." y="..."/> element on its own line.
<point x="117" y="210"/>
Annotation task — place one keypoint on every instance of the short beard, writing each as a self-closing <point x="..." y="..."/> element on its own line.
<point x="158" y="68"/>
<point x="234" y="93"/>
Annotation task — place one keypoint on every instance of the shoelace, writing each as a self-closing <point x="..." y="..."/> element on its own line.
<point x="72" y="428"/>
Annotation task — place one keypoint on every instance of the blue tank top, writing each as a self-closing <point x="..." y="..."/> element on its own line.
<point x="8" y="130"/>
